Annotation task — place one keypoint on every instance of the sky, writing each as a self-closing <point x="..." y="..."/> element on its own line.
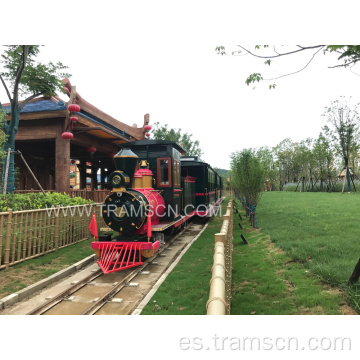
<point x="136" y="61"/>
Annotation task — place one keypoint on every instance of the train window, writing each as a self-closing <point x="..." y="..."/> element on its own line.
<point x="163" y="172"/>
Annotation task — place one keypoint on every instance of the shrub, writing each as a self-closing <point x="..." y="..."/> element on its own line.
<point x="18" y="202"/>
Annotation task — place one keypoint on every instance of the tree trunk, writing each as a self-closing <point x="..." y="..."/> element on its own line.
<point x="10" y="132"/>
<point x="348" y="179"/>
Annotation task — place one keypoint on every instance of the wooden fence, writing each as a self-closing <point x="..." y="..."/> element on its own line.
<point x="220" y="284"/>
<point x="94" y="195"/>
<point x="30" y="233"/>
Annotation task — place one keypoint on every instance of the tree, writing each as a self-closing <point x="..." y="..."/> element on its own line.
<point x="268" y="163"/>
<point x="248" y="178"/>
<point x="343" y="130"/>
<point x="348" y="54"/>
<point x="2" y="138"/>
<point x="27" y="78"/>
<point x="323" y="156"/>
<point x="162" y="132"/>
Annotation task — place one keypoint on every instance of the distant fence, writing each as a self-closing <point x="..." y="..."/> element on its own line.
<point x="30" y="233"/>
<point x="220" y="284"/>
<point x="94" y="195"/>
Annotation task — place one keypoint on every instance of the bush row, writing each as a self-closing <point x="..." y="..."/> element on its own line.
<point x="18" y="202"/>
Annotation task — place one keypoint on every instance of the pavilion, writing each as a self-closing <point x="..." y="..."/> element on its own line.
<point x="96" y="139"/>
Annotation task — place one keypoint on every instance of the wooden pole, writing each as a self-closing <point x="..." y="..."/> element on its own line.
<point x="8" y="238"/>
<point x="32" y="174"/>
<point x="57" y="216"/>
<point x="356" y="274"/>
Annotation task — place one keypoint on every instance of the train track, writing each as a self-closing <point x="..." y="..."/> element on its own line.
<point x="104" y="294"/>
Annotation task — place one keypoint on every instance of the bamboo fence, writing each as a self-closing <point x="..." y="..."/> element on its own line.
<point x="220" y="284"/>
<point x="31" y="233"/>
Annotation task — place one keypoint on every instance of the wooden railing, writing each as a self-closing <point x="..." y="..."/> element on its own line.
<point x="94" y="195"/>
<point x="31" y="233"/>
<point x="220" y="284"/>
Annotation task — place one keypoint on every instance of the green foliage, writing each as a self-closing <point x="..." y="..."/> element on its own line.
<point x="18" y="202"/>
<point x="36" y="77"/>
<point x="248" y="175"/>
<point x="162" y="132"/>
<point x="343" y="129"/>
<point x="226" y="175"/>
<point x="348" y="54"/>
<point x="256" y="77"/>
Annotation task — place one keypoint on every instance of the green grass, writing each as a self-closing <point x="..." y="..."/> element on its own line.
<point x="265" y="281"/>
<point x="186" y="289"/>
<point x="321" y="230"/>
<point x="30" y="271"/>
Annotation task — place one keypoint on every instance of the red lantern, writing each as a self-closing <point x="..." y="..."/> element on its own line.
<point x="111" y="155"/>
<point x="67" y="90"/>
<point x="91" y="150"/>
<point x="67" y="135"/>
<point x="74" y="108"/>
<point x="147" y="127"/>
<point x="147" y="134"/>
<point x="73" y="120"/>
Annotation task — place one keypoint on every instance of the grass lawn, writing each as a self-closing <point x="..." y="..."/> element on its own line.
<point x="320" y="230"/>
<point x="30" y="271"/>
<point x="266" y="281"/>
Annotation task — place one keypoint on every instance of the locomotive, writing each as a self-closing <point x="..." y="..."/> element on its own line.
<point x="155" y="188"/>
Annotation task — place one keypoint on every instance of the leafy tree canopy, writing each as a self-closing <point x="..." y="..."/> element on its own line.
<point x="163" y="132"/>
<point x="349" y="55"/>
<point x="27" y="77"/>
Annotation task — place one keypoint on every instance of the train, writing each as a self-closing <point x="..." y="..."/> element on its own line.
<point x="155" y="189"/>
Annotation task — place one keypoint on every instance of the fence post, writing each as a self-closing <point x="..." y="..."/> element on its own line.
<point x="57" y="226"/>
<point x="8" y="239"/>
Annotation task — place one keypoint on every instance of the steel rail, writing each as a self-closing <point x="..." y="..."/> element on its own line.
<point x="97" y="305"/>
<point x="41" y="309"/>
<point x="59" y="297"/>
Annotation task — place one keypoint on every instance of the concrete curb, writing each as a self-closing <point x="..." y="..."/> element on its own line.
<point x="28" y="291"/>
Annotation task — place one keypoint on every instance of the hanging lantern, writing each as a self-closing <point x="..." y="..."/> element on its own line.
<point x="72" y="162"/>
<point x="74" y="108"/>
<point x="91" y="150"/>
<point x="111" y="155"/>
<point x="147" y="134"/>
<point x="67" y="135"/>
<point x="73" y="120"/>
<point x="147" y="127"/>
<point x="67" y="90"/>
